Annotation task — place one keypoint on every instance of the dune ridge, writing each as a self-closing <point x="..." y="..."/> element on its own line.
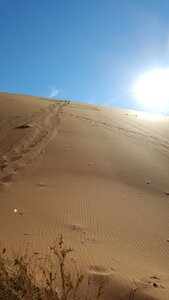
<point x="102" y="182"/>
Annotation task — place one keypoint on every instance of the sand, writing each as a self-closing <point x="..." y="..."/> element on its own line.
<point x="99" y="176"/>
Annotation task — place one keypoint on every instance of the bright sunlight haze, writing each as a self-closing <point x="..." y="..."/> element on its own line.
<point x="152" y="90"/>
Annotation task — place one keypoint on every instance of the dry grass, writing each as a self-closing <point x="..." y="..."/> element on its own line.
<point x="20" y="280"/>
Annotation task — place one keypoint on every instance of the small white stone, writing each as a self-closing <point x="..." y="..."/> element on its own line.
<point x="15" y="210"/>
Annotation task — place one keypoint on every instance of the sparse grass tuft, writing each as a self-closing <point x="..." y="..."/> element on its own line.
<point x="19" y="281"/>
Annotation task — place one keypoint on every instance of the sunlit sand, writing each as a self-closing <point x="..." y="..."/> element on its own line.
<point x="99" y="176"/>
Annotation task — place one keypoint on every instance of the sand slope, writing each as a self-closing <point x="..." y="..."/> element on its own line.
<point x="100" y="176"/>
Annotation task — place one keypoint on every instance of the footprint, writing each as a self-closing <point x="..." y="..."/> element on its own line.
<point x="156" y="282"/>
<point x="77" y="227"/>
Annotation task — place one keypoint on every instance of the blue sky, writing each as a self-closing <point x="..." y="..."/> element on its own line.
<point x="81" y="50"/>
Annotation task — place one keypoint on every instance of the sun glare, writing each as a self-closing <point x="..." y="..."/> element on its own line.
<point x="152" y="90"/>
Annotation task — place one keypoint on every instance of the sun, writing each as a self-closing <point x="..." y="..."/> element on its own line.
<point x="152" y="90"/>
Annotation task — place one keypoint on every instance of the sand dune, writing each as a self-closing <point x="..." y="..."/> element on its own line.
<point x="99" y="176"/>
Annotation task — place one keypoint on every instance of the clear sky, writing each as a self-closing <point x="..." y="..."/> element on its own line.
<point x="81" y="50"/>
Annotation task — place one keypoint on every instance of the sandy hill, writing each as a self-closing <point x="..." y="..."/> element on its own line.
<point x="99" y="176"/>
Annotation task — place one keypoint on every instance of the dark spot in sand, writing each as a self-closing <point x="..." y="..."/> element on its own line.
<point x="3" y="166"/>
<point x="41" y="184"/>
<point x="23" y="126"/>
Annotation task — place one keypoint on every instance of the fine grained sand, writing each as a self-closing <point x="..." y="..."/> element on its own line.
<point x="99" y="176"/>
